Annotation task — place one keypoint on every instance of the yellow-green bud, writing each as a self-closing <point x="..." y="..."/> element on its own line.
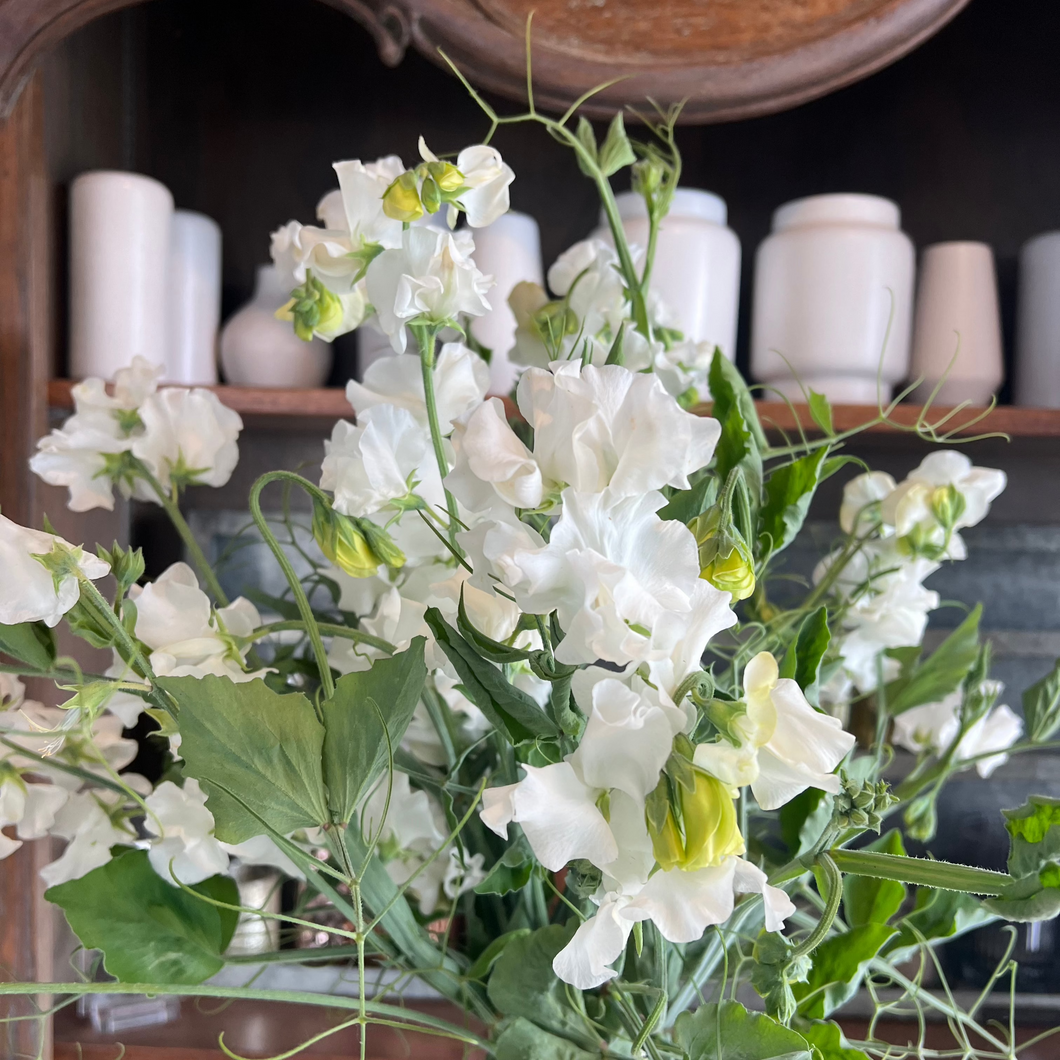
<point x="647" y="176"/>
<point x="353" y="549"/>
<point x="947" y="505"/>
<point x="430" y="196"/>
<point x="724" y="558"/>
<point x="312" y="308"/>
<point x="554" y="320"/>
<point x="446" y="176"/>
<point x="701" y="830"/>
<point x="401" y="201"/>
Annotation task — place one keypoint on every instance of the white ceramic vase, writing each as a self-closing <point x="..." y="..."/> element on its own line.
<point x="696" y="271"/>
<point x="1037" y="381"/>
<point x="119" y="271"/>
<point x="259" y="350"/>
<point x="957" y="336"/>
<point x="833" y="299"/>
<point x="509" y="250"/>
<point x="194" y="299"/>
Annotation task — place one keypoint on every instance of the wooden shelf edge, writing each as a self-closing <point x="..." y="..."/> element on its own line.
<point x="329" y="403"/>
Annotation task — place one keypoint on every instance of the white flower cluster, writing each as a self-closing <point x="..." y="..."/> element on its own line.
<point x="177" y="436"/>
<point x="898" y="536"/>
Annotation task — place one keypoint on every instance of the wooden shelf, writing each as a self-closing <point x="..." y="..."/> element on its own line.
<point x="318" y="409"/>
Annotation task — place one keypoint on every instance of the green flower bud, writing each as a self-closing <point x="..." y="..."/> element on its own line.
<point x="312" y="308"/>
<point x="446" y="176"/>
<point x="947" y="505"/>
<point x="430" y="196"/>
<point x="355" y="546"/>
<point x="699" y="828"/>
<point x="401" y="201"/>
<point x="724" y="558"/>
<point x="647" y="176"/>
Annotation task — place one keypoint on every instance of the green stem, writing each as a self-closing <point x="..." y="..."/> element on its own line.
<point x="831" y="909"/>
<point x="198" y="557"/>
<point x="312" y="628"/>
<point x="426" y="337"/>
<point x="98" y="602"/>
<point x="922" y="872"/>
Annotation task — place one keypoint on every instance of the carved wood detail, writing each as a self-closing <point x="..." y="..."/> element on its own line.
<point x="728" y="58"/>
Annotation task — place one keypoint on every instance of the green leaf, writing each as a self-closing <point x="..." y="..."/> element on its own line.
<point x="587" y="138"/>
<point x="871" y="901"/>
<point x="728" y="389"/>
<point x="727" y="1031"/>
<point x="1034" y="835"/>
<point x="736" y="448"/>
<point x="942" y="673"/>
<point x="802" y="661"/>
<point x="789" y="491"/>
<point x="32" y="643"/>
<point x="356" y="747"/>
<point x="827" y="1040"/>
<point x="257" y="754"/>
<point x="511" y="871"/>
<point x="490" y="955"/>
<point x="523" y="1040"/>
<point x="524" y="984"/>
<point x="838" y="967"/>
<point x="149" y="930"/>
<point x="616" y="152"/>
<point x="685" y="505"/>
<point x="1034" y="897"/>
<point x="486" y="647"/>
<point x="512" y="712"/>
<point x="1041" y="706"/>
<point x="800" y="812"/>
<point x="821" y="412"/>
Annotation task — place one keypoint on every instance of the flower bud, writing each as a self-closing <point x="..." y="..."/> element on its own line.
<point x="700" y="827"/>
<point x="355" y="546"/>
<point x="446" y="176"/>
<point x="431" y="196"/>
<point x="724" y="558"/>
<point x="401" y="201"/>
<point x="312" y="308"/>
<point x="647" y="176"/>
<point x="947" y="505"/>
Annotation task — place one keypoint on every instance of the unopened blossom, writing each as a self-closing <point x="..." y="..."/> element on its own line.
<point x="785" y="745"/>
<point x="188" y="434"/>
<point x="431" y="279"/>
<point x="32" y="591"/>
<point x="184" y="848"/>
<point x="935" y="726"/>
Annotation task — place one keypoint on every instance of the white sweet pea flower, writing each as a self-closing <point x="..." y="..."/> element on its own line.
<point x="32" y="593"/>
<point x="934" y="727"/>
<point x="188" y="434"/>
<point x="787" y="746"/>
<point x="31" y="808"/>
<point x="487" y="178"/>
<point x="185" y="849"/>
<point x="262" y="850"/>
<point x="361" y="187"/>
<point x="93" y="822"/>
<point x="387" y="456"/>
<point x="611" y="570"/>
<point x="684" y="366"/>
<point x="860" y="510"/>
<point x="12" y="691"/>
<point x="299" y="250"/>
<point x="495" y="544"/>
<point x="432" y="279"/>
<point x="397" y="620"/>
<point x="461" y="379"/>
<point x="588" y="276"/>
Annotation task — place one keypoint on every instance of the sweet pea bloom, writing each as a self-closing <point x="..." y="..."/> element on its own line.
<point x="34" y="592"/>
<point x="361" y="187"/>
<point x="185" y="849"/>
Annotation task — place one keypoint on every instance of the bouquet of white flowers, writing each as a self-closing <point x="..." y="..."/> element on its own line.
<point x="531" y="729"/>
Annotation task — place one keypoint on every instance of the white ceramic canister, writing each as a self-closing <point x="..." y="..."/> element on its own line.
<point x="957" y="334"/>
<point x="696" y="271"/>
<point x="509" y="250"/>
<point x="194" y="299"/>
<point x="1037" y="380"/>
<point x="259" y="350"/>
<point x="119" y="271"/>
<point x="833" y="299"/>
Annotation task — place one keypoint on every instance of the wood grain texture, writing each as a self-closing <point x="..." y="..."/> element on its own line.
<point x="727" y="58"/>
<point x="326" y="405"/>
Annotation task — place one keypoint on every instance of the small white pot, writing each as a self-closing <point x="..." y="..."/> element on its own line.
<point x="1038" y="323"/>
<point x="259" y="350"/>
<point x="194" y="299"/>
<point x="957" y="337"/>
<point x="833" y="299"/>
<point x="696" y="271"/>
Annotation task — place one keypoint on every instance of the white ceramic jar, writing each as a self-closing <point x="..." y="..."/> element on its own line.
<point x="119" y="271"/>
<point x="509" y="250"/>
<point x="957" y="335"/>
<point x="194" y="299"/>
<point x="833" y="299"/>
<point x="259" y="350"/>
<point x="697" y="262"/>
<point x="1038" y="323"/>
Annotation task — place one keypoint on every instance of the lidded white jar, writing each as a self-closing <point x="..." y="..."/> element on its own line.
<point x="833" y="299"/>
<point x="697" y="262"/>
